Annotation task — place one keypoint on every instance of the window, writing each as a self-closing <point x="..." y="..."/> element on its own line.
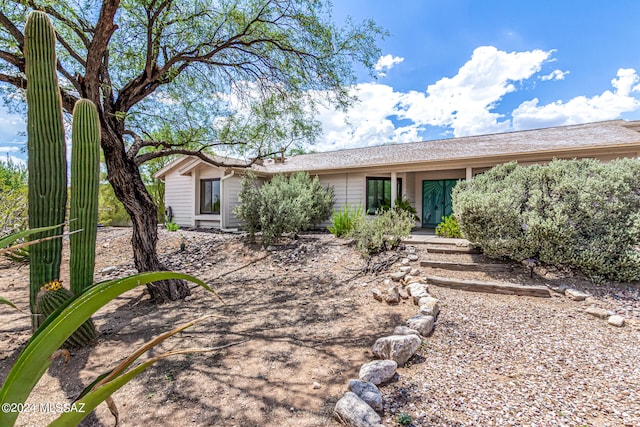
<point x="379" y="193"/>
<point x="210" y="196"/>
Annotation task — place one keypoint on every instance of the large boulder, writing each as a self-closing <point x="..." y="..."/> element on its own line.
<point x="422" y="324"/>
<point x="378" y="371"/>
<point x="396" y="347"/>
<point x="429" y="306"/>
<point x="354" y="412"/>
<point x="369" y="393"/>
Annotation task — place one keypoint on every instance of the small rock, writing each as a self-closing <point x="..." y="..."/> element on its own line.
<point x="409" y="279"/>
<point x="405" y="269"/>
<point x="369" y="393"/>
<point x="575" y="294"/>
<point x="412" y="257"/>
<point x="405" y="261"/>
<point x="414" y="272"/>
<point x="403" y="293"/>
<point x="316" y="385"/>
<point x="109" y="270"/>
<point x="616" y="320"/>
<point x="396" y="277"/>
<point x="422" y="324"/>
<point x="600" y="313"/>
<point x="411" y="249"/>
<point x="386" y="282"/>
<point x="405" y="330"/>
<point x="378" y="371"/>
<point x="559" y="289"/>
<point x="352" y="411"/>
<point x="271" y="248"/>
<point x="377" y="295"/>
<point x="392" y="296"/>
<point x="429" y="306"/>
<point x="396" y="347"/>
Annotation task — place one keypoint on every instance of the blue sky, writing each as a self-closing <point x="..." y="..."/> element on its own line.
<point x="465" y="67"/>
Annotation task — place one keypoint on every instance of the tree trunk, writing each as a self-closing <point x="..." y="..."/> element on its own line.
<point x="124" y="176"/>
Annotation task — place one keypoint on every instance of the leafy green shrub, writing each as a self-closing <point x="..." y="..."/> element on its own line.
<point x="345" y="220"/>
<point x="283" y="205"/>
<point x="403" y="204"/>
<point x="578" y="213"/>
<point x="383" y="232"/>
<point x="171" y="226"/>
<point x="13" y="197"/>
<point x="248" y="210"/>
<point x="404" y="419"/>
<point x="449" y="227"/>
<point x="110" y="209"/>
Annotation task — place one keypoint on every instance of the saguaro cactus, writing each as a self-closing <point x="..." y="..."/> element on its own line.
<point x="47" y="152"/>
<point x="85" y="175"/>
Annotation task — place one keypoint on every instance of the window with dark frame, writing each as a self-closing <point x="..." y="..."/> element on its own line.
<point x="379" y="193"/>
<point x="210" y="196"/>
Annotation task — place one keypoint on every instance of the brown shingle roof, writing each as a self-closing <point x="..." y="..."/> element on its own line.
<point x="591" y="135"/>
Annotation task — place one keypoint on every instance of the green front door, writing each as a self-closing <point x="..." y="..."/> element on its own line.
<point x="436" y="201"/>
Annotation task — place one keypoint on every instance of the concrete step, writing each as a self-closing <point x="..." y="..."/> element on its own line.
<point x="490" y="287"/>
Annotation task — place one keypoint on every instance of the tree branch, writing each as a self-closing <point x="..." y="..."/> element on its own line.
<point x="13" y="30"/>
<point x="12" y="59"/>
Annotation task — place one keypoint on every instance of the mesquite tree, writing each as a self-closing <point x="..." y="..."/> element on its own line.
<point x="194" y="66"/>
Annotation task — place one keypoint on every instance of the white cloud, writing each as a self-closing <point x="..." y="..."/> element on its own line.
<point x="555" y="75"/>
<point x="9" y="149"/>
<point x="581" y="109"/>
<point x="465" y="104"/>
<point x="385" y="63"/>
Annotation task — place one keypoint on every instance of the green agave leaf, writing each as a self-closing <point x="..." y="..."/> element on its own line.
<point x="34" y="359"/>
<point x="89" y="402"/>
<point x="7" y="240"/>
<point x="7" y="302"/>
<point x="122" y="366"/>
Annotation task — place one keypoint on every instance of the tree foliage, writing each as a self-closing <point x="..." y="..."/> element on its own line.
<point x="13" y="197"/>
<point x="578" y="213"/>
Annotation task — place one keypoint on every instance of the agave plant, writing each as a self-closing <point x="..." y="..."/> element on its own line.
<point x="57" y="328"/>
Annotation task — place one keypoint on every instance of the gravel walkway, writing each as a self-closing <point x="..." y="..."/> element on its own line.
<point x="498" y="360"/>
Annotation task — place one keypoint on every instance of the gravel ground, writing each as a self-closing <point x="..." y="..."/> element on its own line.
<point x="497" y="360"/>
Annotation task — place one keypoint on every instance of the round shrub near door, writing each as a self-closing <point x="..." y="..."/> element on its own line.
<point x="578" y="213"/>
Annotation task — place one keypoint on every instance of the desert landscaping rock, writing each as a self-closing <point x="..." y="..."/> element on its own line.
<point x="396" y="277"/>
<point x="378" y="371"/>
<point x="575" y="294"/>
<point x="352" y="411"/>
<point x="429" y="306"/>
<point x="600" y="313"/>
<point x="416" y="289"/>
<point x="405" y="269"/>
<point x="560" y="289"/>
<point x="412" y="257"/>
<point x="405" y="261"/>
<point x="405" y="330"/>
<point x="369" y="393"/>
<point x="377" y="295"/>
<point x="409" y="279"/>
<point x="421" y="323"/>
<point x="616" y="320"/>
<point x="396" y="347"/>
<point x="109" y="270"/>
<point x="414" y="272"/>
<point x="403" y="293"/>
<point x="392" y="296"/>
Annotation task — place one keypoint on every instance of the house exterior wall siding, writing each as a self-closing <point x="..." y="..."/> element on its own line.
<point x="179" y="195"/>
